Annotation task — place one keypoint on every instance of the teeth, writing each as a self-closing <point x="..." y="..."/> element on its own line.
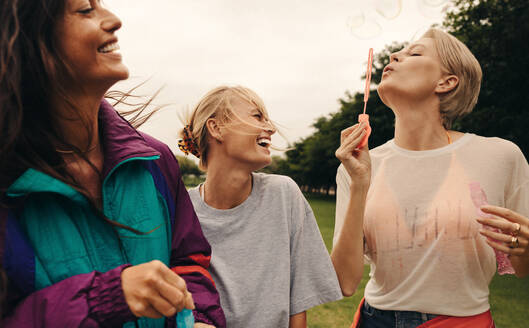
<point x="263" y="142"/>
<point x="109" y="47"/>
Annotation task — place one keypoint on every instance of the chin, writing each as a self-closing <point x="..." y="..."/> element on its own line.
<point x="122" y="74"/>
<point x="268" y="162"/>
<point x="262" y="165"/>
<point x="115" y="78"/>
<point x="383" y="90"/>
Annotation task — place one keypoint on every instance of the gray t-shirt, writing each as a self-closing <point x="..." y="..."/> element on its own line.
<point x="268" y="257"/>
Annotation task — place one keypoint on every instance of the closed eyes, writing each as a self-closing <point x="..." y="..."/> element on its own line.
<point x="85" y="11"/>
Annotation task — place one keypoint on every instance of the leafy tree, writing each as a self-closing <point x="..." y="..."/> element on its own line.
<point x="497" y="33"/>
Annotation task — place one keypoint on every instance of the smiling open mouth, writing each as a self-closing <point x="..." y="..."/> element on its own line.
<point x="108" y="48"/>
<point x="263" y="142"/>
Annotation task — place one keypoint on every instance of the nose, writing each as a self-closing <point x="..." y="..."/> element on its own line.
<point x="270" y="128"/>
<point x="394" y="57"/>
<point x="110" y="23"/>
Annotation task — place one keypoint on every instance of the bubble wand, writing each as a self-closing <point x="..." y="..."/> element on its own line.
<point x="185" y="319"/>
<point x="365" y="117"/>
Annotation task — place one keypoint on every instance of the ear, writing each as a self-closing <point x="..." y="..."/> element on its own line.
<point x="446" y="84"/>
<point x="214" y="129"/>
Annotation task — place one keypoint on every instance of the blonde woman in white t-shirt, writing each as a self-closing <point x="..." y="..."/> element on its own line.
<point x="419" y="197"/>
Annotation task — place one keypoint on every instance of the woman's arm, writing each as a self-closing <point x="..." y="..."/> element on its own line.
<point x="298" y="320"/>
<point x="86" y="300"/>
<point x="348" y="252"/>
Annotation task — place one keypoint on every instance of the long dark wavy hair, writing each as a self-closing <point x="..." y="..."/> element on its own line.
<point x="31" y="71"/>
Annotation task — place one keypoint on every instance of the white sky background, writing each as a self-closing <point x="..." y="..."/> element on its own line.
<point x="300" y="56"/>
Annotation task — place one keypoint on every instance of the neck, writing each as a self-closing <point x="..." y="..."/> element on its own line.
<point x="418" y="124"/>
<point x="225" y="189"/>
<point x="78" y="122"/>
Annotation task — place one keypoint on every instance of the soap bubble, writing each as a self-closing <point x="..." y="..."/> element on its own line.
<point x="427" y="9"/>
<point x="434" y="3"/>
<point x="389" y="8"/>
<point x="368" y="30"/>
<point x="356" y="20"/>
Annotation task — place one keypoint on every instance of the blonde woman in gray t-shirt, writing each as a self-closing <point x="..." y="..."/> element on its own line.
<point x="268" y="261"/>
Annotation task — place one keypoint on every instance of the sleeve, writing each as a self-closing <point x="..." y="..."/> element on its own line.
<point x="313" y="280"/>
<point x="190" y="251"/>
<point x="517" y="196"/>
<point x="87" y="300"/>
<point x="343" y="181"/>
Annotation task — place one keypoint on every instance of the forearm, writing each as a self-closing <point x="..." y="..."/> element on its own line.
<point x="298" y="320"/>
<point x="348" y="253"/>
<point x="86" y="300"/>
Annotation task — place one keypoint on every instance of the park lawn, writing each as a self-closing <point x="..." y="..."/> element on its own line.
<point x="509" y="296"/>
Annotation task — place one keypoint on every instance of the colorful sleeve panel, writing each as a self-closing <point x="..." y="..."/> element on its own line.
<point x="200" y="269"/>
<point x="87" y="300"/>
<point x="190" y="251"/>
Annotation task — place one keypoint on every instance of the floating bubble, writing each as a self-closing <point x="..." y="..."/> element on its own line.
<point x="428" y="10"/>
<point x="388" y="8"/>
<point x="369" y="30"/>
<point x="356" y="20"/>
<point x="434" y="3"/>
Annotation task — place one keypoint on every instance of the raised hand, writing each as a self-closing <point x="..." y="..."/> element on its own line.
<point x="356" y="161"/>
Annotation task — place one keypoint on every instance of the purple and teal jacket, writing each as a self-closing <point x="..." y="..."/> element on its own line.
<point x="64" y="262"/>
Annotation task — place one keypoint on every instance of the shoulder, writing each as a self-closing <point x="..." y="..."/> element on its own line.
<point x="497" y="148"/>
<point x="156" y="144"/>
<point x="280" y="190"/>
<point x="382" y="150"/>
<point x="276" y="182"/>
<point x="167" y="162"/>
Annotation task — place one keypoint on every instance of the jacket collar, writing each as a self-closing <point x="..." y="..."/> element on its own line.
<point x="120" y="141"/>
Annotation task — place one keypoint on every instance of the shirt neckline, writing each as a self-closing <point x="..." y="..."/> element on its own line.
<point x="229" y="211"/>
<point x="432" y="152"/>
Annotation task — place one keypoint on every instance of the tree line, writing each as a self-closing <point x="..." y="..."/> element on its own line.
<point x="495" y="31"/>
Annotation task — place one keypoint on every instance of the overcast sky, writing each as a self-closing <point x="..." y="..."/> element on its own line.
<point x="300" y="56"/>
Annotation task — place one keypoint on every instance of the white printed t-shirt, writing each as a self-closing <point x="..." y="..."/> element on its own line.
<point x="420" y="228"/>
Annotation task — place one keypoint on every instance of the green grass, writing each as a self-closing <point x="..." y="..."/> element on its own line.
<point x="509" y="296"/>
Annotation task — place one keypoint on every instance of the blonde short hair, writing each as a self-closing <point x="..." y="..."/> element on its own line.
<point x="456" y="59"/>
<point x="217" y="103"/>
